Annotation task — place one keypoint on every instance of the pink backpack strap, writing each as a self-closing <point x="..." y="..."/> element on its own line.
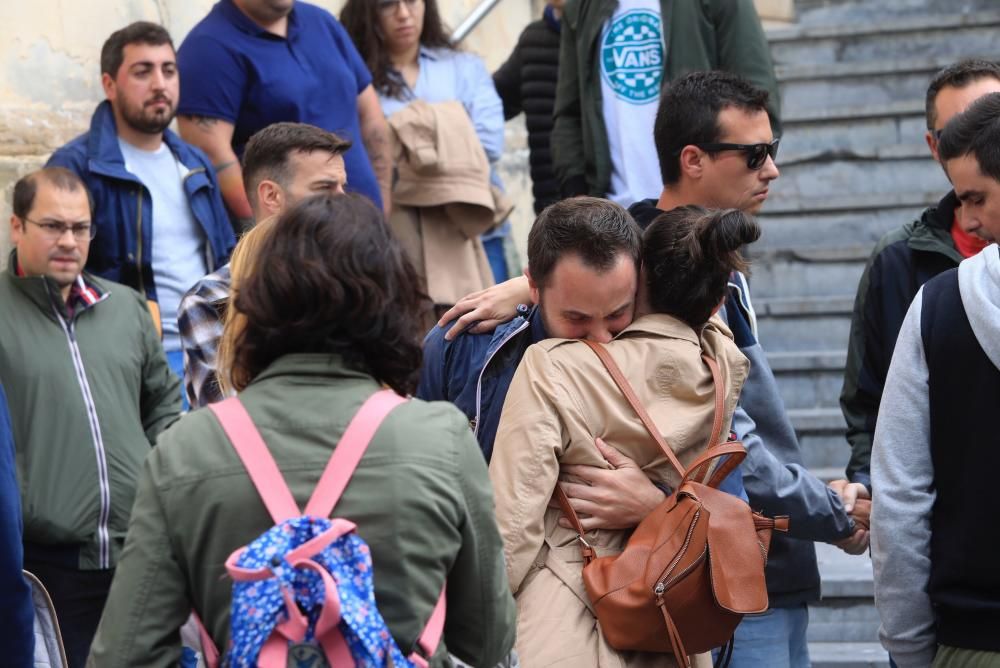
<point x="256" y="458"/>
<point x="430" y="638"/>
<point x="349" y="451"/>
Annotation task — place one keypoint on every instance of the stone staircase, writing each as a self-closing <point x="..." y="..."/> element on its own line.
<point x="854" y="165"/>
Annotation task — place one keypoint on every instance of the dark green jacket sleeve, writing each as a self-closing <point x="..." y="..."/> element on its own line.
<point x="148" y="602"/>
<point x="743" y="49"/>
<point x="566" y="140"/>
<point x="481" y="613"/>
<point x="160" y="398"/>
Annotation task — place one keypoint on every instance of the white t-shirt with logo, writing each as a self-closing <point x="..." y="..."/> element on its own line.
<point x="631" y="56"/>
<point x="178" y="242"/>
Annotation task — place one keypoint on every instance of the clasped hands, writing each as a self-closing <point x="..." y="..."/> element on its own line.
<point x="857" y="503"/>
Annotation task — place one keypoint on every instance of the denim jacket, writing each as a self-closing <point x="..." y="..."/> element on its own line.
<point x="123" y="209"/>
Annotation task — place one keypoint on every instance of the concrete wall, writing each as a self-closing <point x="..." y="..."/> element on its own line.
<point x="50" y="75"/>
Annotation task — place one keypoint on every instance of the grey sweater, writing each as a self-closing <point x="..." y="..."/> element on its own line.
<point x="903" y="472"/>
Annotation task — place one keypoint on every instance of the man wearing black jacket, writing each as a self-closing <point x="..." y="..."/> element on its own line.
<point x="903" y="260"/>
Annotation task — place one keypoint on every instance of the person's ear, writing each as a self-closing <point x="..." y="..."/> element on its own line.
<point x="270" y="197"/>
<point x="532" y="287"/>
<point x="932" y="144"/>
<point x="109" y="86"/>
<point x="692" y="161"/>
<point x="16" y="229"/>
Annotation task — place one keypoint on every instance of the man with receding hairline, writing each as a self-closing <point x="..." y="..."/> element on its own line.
<point x="89" y="391"/>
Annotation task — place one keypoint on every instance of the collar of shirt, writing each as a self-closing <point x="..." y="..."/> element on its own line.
<point x="236" y="16"/>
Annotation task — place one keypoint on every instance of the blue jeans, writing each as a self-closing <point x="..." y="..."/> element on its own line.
<point x="175" y="360"/>
<point x="776" y="639"/>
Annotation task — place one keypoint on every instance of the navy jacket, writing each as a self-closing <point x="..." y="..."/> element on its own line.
<point x="16" y="613"/>
<point x="474" y="371"/>
<point x="123" y="209"/>
<point x="773" y="473"/>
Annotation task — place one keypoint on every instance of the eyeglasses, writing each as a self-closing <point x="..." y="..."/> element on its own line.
<point x="54" y="230"/>
<point x="756" y="153"/>
<point x="390" y="7"/>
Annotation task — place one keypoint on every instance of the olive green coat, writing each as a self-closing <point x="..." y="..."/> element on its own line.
<point x="420" y="497"/>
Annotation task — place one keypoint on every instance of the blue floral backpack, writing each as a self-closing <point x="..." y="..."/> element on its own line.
<point x="302" y="591"/>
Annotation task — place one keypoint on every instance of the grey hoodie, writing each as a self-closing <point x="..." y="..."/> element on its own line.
<point x="903" y="472"/>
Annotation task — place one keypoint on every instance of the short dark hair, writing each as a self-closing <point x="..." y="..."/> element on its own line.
<point x="267" y="152"/>
<point x="331" y="278"/>
<point x="140" y="32"/>
<point x="688" y="254"/>
<point x="959" y="75"/>
<point x="689" y="113"/>
<point x="597" y="230"/>
<point x="360" y="19"/>
<point x="976" y="132"/>
<point x="60" y="178"/>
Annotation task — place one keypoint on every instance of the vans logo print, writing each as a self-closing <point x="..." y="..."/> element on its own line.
<point x="632" y="56"/>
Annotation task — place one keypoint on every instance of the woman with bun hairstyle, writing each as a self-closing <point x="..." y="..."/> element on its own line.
<point x="562" y="399"/>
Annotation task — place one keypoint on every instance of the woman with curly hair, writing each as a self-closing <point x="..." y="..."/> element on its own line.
<point x="325" y="320"/>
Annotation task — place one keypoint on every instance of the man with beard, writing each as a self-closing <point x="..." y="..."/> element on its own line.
<point x="161" y="223"/>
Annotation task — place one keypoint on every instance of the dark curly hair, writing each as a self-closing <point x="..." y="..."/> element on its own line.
<point x="688" y="254"/>
<point x="330" y="279"/>
<point x="361" y="20"/>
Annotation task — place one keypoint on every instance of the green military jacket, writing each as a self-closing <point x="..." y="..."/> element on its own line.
<point x="700" y="35"/>
<point x="420" y="497"/>
<point x="88" y="395"/>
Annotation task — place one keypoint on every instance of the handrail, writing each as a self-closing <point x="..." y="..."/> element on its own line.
<point x="472" y="20"/>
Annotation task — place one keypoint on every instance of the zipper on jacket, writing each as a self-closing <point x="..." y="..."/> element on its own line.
<point x="138" y="249"/>
<point x="479" y="381"/>
<point x="103" y="535"/>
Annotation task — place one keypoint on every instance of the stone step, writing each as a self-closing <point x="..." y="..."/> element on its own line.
<point x="810" y="379"/>
<point x="847" y="655"/>
<point x="805" y="333"/>
<point x="823" y="85"/>
<point x="862" y="228"/>
<point x="821" y="437"/>
<point x="846" y="611"/>
<point x="841" y="12"/>
<point x="951" y="34"/>
<point x="808" y="273"/>
<point x="874" y="174"/>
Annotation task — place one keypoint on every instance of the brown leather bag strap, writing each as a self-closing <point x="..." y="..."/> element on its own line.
<point x="720" y="400"/>
<point x="567" y="508"/>
<point x="630" y="396"/>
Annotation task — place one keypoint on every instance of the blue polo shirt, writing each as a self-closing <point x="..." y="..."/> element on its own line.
<point x="233" y="69"/>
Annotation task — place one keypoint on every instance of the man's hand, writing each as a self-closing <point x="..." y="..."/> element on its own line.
<point x="487" y="308"/>
<point x="857" y="502"/>
<point x="616" y="498"/>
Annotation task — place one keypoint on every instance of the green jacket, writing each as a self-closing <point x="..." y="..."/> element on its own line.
<point x="88" y="396"/>
<point x="703" y="35"/>
<point x="420" y="497"/>
<point x="902" y="261"/>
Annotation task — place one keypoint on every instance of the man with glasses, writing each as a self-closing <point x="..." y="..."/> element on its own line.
<point x="89" y="391"/>
<point x="902" y="261"/>
<point x="156" y="200"/>
<point x="251" y="63"/>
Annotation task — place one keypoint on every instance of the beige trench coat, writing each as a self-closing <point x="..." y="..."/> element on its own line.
<point x="560" y="400"/>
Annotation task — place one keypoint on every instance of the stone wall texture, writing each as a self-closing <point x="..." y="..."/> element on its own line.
<point x="50" y="76"/>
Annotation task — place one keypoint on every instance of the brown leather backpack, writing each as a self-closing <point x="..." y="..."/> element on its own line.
<point x="694" y="566"/>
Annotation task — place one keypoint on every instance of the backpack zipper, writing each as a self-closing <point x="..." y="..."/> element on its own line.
<point x="665" y="580"/>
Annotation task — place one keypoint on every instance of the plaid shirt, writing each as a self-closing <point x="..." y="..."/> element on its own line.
<point x="199" y="319"/>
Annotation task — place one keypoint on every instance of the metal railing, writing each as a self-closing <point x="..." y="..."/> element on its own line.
<point x="481" y="11"/>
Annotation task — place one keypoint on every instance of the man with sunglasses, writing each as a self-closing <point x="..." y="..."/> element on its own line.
<point x="615" y="58"/>
<point x="902" y="261"/>
<point x="89" y="390"/>
<point x="716" y="149"/>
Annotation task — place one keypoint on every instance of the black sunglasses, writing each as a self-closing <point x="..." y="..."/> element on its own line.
<point x="756" y="153"/>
